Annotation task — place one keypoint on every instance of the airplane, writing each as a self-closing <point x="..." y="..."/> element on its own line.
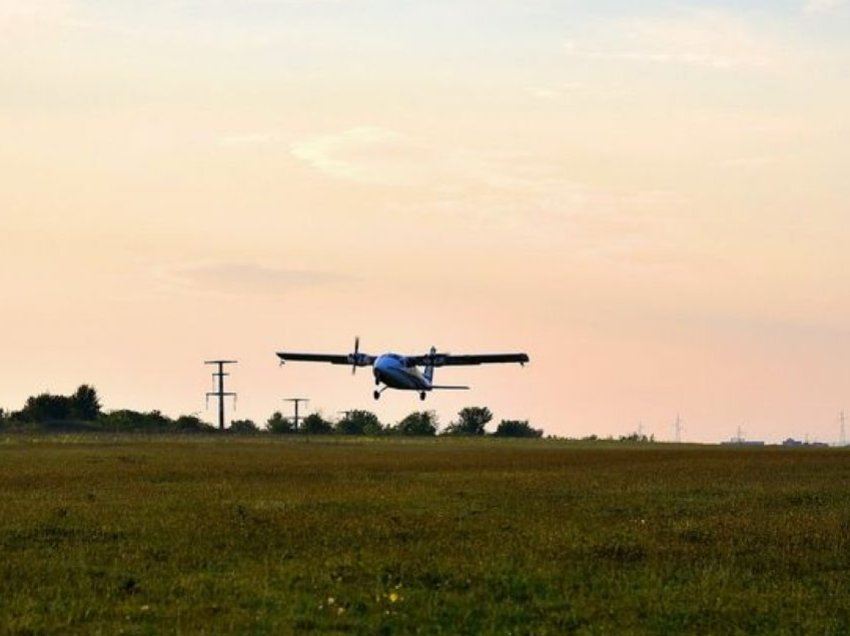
<point x="397" y="371"/>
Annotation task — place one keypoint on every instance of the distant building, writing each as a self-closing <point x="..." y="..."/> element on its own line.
<point x="795" y="443"/>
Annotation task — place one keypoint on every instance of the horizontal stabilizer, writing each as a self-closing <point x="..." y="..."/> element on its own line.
<point x="450" y="388"/>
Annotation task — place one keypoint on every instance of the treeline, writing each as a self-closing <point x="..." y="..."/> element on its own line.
<point x="82" y="411"/>
<point x="471" y="421"/>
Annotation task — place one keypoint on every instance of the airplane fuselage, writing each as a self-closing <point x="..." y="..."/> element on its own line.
<point x="393" y="370"/>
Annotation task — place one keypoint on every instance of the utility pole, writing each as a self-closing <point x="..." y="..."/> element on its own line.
<point x="221" y="394"/>
<point x="296" y="401"/>
<point x="677" y="429"/>
<point x="843" y="420"/>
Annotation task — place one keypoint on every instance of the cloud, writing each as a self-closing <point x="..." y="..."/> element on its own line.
<point x="369" y="155"/>
<point x="823" y="6"/>
<point x="243" y="279"/>
<point x="699" y="38"/>
<point x="475" y="191"/>
<point x="545" y="93"/>
<point x="379" y="156"/>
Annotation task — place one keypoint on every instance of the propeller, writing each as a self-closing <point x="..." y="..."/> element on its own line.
<point x="355" y="357"/>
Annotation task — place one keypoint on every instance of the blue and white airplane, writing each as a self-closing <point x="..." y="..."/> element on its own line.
<point x="402" y="372"/>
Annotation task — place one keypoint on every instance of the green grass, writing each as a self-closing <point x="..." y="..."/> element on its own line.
<point x="267" y="536"/>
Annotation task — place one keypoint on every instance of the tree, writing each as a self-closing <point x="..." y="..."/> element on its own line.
<point x="637" y="437"/>
<point x="516" y="428"/>
<point x="123" y="420"/>
<point x="277" y="423"/>
<point x="359" y="423"/>
<point x="84" y="404"/>
<point x="128" y="420"/>
<point x="418" y="423"/>
<point x="45" y="408"/>
<point x="471" y="421"/>
<point x="243" y="426"/>
<point x="315" y="424"/>
<point x="192" y="424"/>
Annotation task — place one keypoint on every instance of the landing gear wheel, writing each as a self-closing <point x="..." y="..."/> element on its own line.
<point x="422" y="396"/>
<point x="377" y="395"/>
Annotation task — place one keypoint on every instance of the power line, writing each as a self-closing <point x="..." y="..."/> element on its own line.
<point x="678" y="425"/>
<point x="296" y="401"/>
<point x="221" y="394"/>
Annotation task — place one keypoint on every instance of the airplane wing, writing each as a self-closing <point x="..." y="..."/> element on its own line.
<point x="361" y="359"/>
<point x="448" y="360"/>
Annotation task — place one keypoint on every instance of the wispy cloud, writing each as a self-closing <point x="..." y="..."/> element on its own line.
<point x="476" y="190"/>
<point x="243" y="279"/>
<point x="369" y="154"/>
<point x="700" y="38"/>
<point x="556" y="91"/>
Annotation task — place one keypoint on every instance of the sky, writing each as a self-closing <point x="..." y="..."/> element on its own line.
<point x="650" y="199"/>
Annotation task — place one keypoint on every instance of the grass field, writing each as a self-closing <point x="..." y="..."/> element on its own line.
<point x="267" y="536"/>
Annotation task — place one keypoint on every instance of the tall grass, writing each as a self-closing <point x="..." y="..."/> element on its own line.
<point x="225" y="535"/>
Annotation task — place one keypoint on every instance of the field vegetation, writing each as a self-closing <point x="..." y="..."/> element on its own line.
<point x="448" y="535"/>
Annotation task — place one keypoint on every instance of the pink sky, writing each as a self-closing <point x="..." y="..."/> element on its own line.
<point x="651" y="202"/>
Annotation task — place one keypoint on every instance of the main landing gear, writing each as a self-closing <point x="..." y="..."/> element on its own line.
<point x="422" y="396"/>
<point x="377" y="393"/>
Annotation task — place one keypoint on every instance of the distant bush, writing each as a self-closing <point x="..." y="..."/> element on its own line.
<point x="128" y="420"/>
<point x="278" y="424"/>
<point x="516" y="428"/>
<point x="243" y="426"/>
<point x="420" y="423"/>
<point x="637" y="437"/>
<point x="83" y="405"/>
<point x="192" y="424"/>
<point x="359" y="423"/>
<point x="315" y="424"/>
<point x="471" y="421"/>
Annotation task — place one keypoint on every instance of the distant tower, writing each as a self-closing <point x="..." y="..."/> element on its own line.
<point x="296" y="401"/>
<point x="221" y="394"/>
<point x="843" y="438"/>
<point x="678" y="425"/>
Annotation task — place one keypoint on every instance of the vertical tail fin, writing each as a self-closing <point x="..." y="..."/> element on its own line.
<point x="429" y="369"/>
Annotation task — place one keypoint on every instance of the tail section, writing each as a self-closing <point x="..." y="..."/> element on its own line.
<point x="429" y="369"/>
